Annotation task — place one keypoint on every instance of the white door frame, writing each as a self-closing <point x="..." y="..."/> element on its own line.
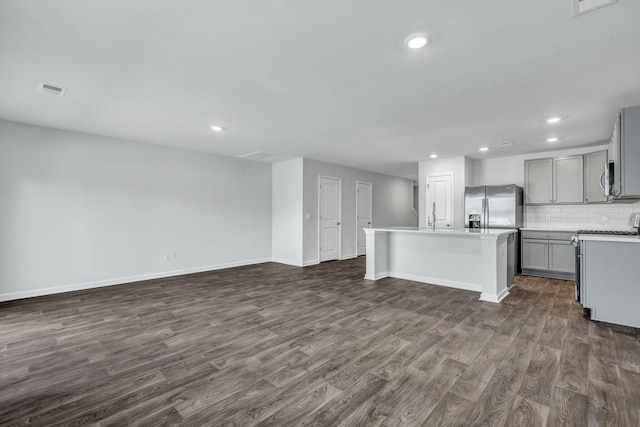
<point x="339" y="215"/>
<point x="358" y="213"/>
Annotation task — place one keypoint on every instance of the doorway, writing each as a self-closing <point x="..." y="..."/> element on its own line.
<point x="329" y="218"/>
<point x="363" y="215"/>
<point x="440" y="192"/>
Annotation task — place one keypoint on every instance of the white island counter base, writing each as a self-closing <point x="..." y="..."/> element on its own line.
<point x="474" y="260"/>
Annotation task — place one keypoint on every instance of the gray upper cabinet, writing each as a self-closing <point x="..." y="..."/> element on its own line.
<point x="538" y="181"/>
<point x="593" y="174"/>
<point x="568" y="178"/>
<point x="555" y="180"/>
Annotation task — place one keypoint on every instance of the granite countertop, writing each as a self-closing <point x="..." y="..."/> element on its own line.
<point x="609" y="238"/>
<point x="566" y="229"/>
<point x="461" y="232"/>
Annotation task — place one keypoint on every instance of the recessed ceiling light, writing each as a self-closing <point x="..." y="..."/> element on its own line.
<point x="581" y="7"/>
<point x="216" y="128"/>
<point x="554" y="119"/>
<point x="554" y="139"/>
<point x="484" y="148"/>
<point x="416" y="41"/>
<point x="433" y="156"/>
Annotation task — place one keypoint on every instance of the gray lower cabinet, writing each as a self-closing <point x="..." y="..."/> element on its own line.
<point x="609" y="281"/>
<point x="562" y="256"/>
<point x="548" y="254"/>
<point x="535" y="254"/>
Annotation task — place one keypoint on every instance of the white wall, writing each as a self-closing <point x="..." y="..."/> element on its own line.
<point x="287" y="212"/>
<point x="459" y="166"/>
<point x="510" y="170"/>
<point x="392" y="200"/>
<point x="469" y="172"/>
<point x="81" y="211"/>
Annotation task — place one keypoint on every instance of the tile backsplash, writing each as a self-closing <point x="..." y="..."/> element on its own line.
<point x="594" y="217"/>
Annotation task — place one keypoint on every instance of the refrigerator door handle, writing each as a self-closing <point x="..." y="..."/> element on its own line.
<point x="483" y="218"/>
<point x="486" y="218"/>
<point x="486" y="213"/>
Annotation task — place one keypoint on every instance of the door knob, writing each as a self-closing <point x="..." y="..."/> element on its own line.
<point x="369" y="223"/>
<point x="338" y="223"/>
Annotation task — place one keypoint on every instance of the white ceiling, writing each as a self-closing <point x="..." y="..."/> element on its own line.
<point x="329" y="80"/>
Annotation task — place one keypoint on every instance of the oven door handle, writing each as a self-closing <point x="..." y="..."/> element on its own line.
<point x="574" y="240"/>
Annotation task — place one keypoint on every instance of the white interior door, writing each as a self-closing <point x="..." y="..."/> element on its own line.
<point x="363" y="214"/>
<point x="329" y="217"/>
<point x="440" y="191"/>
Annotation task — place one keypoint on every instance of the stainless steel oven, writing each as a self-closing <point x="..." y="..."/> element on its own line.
<point x="576" y="243"/>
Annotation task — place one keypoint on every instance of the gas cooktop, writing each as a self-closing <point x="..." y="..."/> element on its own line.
<point x="609" y="232"/>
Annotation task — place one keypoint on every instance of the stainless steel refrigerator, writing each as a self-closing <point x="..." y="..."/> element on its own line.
<point x="497" y="206"/>
<point x="493" y="206"/>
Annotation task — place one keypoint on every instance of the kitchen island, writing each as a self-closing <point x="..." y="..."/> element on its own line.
<point x="475" y="260"/>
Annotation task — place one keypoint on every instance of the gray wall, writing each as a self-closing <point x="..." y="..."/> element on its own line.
<point x="79" y="210"/>
<point x="287" y="212"/>
<point x="392" y="201"/>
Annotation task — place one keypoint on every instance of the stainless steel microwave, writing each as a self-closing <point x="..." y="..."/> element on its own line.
<point x="621" y="176"/>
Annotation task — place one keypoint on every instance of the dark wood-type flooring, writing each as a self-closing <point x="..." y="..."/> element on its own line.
<point x="277" y="345"/>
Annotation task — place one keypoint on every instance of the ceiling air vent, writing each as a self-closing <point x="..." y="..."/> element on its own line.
<point x="51" y="90"/>
<point x="581" y="7"/>
<point x="505" y="144"/>
<point x="256" y="155"/>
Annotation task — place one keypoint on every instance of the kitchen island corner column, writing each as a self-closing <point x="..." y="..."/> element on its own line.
<point x="378" y="247"/>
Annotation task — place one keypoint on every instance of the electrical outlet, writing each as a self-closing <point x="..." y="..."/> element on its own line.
<point x="605" y="218"/>
<point x="548" y="217"/>
<point x="166" y="255"/>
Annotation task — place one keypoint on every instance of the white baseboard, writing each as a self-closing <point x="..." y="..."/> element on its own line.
<point x="377" y="276"/>
<point x="493" y="297"/>
<point x="287" y="262"/>
<point x="350" y="256"/>
<point x="306" y="263"/>
<point x="435" y="281"/>
<point x="122" y="280"/>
